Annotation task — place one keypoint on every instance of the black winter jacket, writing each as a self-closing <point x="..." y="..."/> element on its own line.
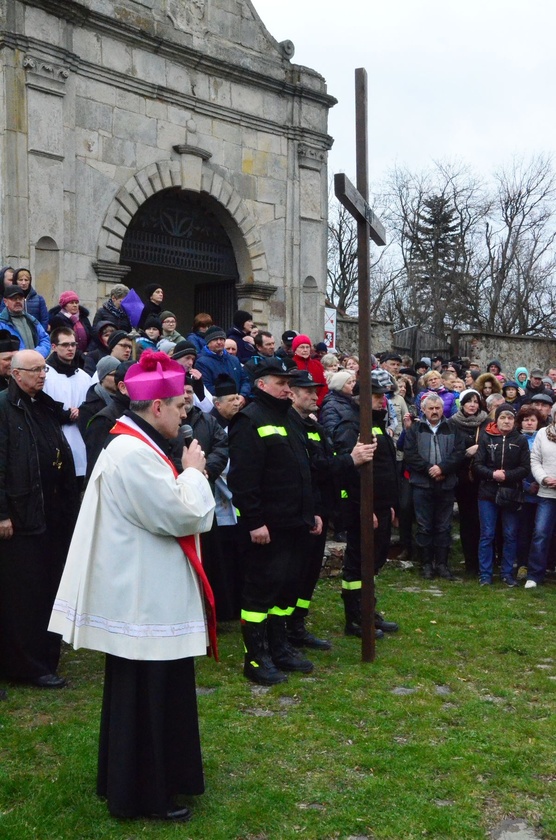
<point x="500" y="452"/>
<point x="338" y="408"/>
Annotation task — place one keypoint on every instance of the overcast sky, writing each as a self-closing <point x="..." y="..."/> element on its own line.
<point x="471" y="80"/>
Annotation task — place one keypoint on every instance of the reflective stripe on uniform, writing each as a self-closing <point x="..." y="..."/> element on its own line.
<point x="377" y="430"/>
<point x="253" y="617"/>
<point x="344" y="494"/>
<point x="313" y="435"/>
<point x="351" y="584"/>
<point x="266" y="431"/>
<point x="304" y="605"/>
<point x="281" y="612"/>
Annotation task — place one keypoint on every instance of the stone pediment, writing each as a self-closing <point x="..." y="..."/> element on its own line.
<point x="230" y="31"/>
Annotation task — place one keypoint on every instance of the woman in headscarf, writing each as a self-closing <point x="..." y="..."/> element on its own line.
<point x="468" y="419"/>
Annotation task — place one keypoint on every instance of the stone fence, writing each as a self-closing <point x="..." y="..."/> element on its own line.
<point x="513" y="351"/>
<point x="347" y="335"/>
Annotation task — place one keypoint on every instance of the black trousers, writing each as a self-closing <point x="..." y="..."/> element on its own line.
<point x="352" y="554"/>
<point x="149" y="750"/>
<point x="310" y="552"/>
<point x="271" y="573"/>
<point x="221" y="561"/>
<point x="30" y="572"/>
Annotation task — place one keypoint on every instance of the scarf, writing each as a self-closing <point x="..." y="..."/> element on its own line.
<point x="468" y="422"/>
<point x="187" y="544"/>
<point x="551" y="432"/>
<point x="101" y="392"/>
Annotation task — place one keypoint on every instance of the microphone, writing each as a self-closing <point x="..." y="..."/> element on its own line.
<point x="187" y="435"/>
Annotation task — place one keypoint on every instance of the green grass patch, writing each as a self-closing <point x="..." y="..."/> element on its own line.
<point x="334" y="754"/>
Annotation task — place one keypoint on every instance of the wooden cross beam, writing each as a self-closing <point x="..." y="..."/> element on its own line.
<point x="356" y="202"/>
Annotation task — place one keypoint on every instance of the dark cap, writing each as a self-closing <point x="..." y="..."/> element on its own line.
<point x="502" y="408"/>
<point x="272" y="367"/>
<point x="184" y="348"/>
<point x="8" y="342"/>
<point x="303" y="379"/>
<point x="224" y="385"/>
<point x="545" y="398"/>
<point x="121" y="370"/>
<point x="288" y="336"/>
<point x="536" y="372"/>
<point x="13" y="291"/>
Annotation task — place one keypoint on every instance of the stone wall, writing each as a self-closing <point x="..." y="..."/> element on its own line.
<point x="104" y="104"/>
<point x="347" y="335"/>
<point x="512" y="350"/>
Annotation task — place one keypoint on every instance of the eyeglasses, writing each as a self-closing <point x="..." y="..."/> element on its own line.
<point x="68" y="344"/>
<point x="35" y="370"/>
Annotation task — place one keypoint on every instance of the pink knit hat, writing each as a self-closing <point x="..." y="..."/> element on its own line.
<point x="300" y="339"/>
<point x="155" y="377"/>
<point x="68" y="297"/>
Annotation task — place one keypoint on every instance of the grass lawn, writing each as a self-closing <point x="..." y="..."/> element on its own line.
<point x="335" y="754"/>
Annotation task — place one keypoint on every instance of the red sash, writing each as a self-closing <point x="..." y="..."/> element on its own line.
<point x="187" y="544"/>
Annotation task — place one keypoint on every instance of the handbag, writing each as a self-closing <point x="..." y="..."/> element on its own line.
<point x="509" y="498"/>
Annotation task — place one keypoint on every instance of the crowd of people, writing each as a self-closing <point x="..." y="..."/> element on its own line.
<point x="241" y="456"/>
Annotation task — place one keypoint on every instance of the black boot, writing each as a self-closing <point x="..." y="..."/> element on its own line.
<point x="352" y="609"/>
<point x="299" y="636"/>
<point x="442" y="570"/>
<point x="258" y="665"/>
<point x="385" y="626"/>
<point x="428" y="563"/>
<point x="283" y="654"/>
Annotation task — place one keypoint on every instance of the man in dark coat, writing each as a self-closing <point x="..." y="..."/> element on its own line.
<point x="98" y="427"/>
<point x="38" y="508"/>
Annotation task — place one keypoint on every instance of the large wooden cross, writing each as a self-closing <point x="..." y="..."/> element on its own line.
<point x="355" y="200"/>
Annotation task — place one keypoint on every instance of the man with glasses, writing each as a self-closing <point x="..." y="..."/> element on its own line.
<point x="67" y="383"/>
<point x="25" y="327"/>
<point x="38" y="508"/>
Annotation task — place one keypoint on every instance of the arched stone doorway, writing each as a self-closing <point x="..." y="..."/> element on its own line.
<point x="178" y="238"/>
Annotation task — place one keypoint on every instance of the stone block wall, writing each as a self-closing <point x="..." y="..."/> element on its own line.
<point x="347" y="335"/>
<point x="512" y="350"/>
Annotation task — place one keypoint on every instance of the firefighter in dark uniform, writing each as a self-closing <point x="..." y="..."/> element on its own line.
<point x="327" y="467"/>
<point x="385" y="507"/>
<point x="270" y="479"/>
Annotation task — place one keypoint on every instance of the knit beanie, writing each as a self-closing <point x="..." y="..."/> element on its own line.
<point x="166" y="313"/>
<point x="115" y="338"/>
<point x="106" y="365"/>
<point x="504" y="407"/>
<point x="153" y="321"/>
<point x="300" y="339"/>
<point x="339" y="379"/>
<point x="150" y="289"/>
<point x="68" y="297"/>
<point x="467" y="394"/>
<point x="214" y="332"/>
<point x="241" y="317"/>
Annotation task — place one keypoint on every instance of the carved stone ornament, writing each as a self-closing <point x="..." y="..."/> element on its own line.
<point x="45" y="75"/>
<point x="310" y="157"/>
<point x="185" y="16"/>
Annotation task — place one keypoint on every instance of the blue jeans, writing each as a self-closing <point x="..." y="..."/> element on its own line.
<point x="542" y="535"/>
<point x="488" y="514"/>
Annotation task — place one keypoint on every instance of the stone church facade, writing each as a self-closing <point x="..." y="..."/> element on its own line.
<point x="168" y="141"/>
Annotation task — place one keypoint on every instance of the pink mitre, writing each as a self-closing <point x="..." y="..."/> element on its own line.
<point x="155" y="377"/>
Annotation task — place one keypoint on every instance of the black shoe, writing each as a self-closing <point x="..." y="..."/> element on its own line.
<point x="50" y="681"/>
<point x="175" y="813"/>
<point x="263" y="671"/>
<point x="299" y="636"/>
<point x="445" y="573"/>
<point x="352" y="629"/>
<point x="385" y="626"/>
<point x="428" y="571"/>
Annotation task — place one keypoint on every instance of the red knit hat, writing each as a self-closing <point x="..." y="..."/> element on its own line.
<point x="68" y="297"/>
<point x="300" y="339"/>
